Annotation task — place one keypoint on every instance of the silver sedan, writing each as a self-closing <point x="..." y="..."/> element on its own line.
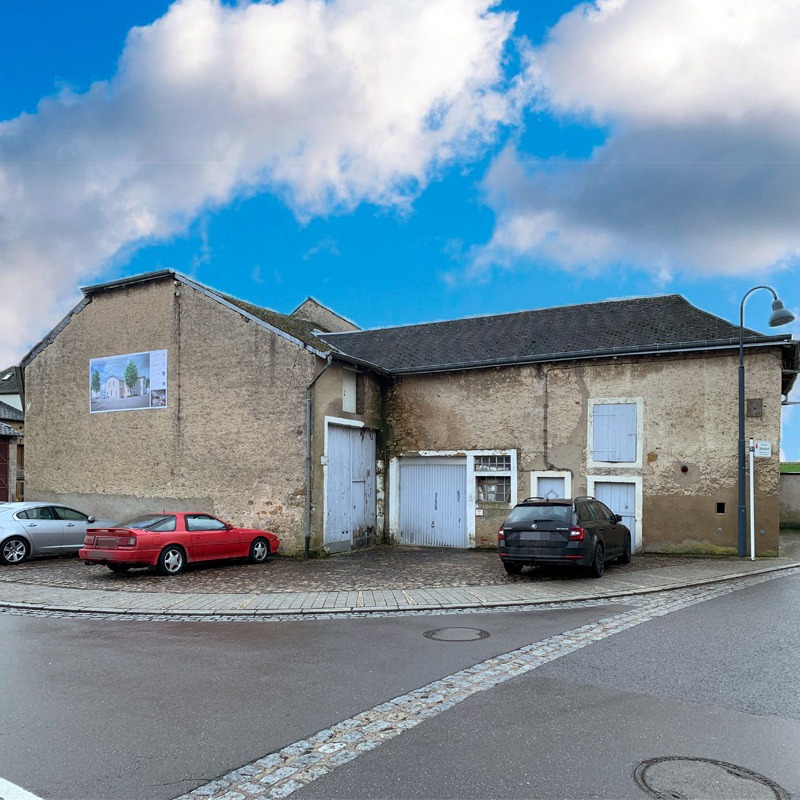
<point x="35" y="529"/>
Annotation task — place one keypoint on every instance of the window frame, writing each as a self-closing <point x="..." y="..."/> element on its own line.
<point x="566" y="475"/>
<point x="591" y="461"/>
<point x="477" y="470"/>
<point x="190" y="518"/>
<point x="349" y="391"/>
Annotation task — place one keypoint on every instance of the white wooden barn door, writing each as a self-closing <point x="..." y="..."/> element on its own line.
<point x="350" y="486"/>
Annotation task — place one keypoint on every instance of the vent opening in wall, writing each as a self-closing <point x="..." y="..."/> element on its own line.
<point x="720" y="508"/>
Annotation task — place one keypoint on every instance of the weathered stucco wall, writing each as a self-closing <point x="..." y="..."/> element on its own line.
<point x="790" y="500"/>
<point x="88" y="459"/>
<point x="328" y="320"/>
<point x="230" y="442"/>
<point x="689" y="435"/>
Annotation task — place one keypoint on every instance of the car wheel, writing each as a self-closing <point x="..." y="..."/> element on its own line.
<point x="14" y="550"/>
<point x="171" y="561"/>
<point x="118" y="568"/>
<point x="598" y="562"/>
<point x="512" y="567"/>
<point x="625" y="558"/>
<point x="259" y="551"/>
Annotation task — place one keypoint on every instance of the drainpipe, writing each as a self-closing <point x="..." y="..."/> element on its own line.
<point x="306" y="551"/>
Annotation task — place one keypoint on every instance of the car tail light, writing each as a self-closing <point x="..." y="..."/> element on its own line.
<point x="576" y="534"/>
<point x="501" y="534"/>
<point x="126" y="541"/>
<point x="88" y="541"/>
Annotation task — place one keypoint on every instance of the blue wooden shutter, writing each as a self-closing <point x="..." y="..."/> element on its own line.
<point x="614" y="432"/>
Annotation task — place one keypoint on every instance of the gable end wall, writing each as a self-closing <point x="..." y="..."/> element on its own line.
<point x="231" y="441"/>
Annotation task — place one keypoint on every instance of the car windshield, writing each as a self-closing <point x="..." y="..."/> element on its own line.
<point x="543" y="513"/>
<point x="151" y="522"/>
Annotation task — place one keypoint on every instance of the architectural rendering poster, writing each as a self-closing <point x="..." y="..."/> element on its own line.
<point x="129" y="382"/>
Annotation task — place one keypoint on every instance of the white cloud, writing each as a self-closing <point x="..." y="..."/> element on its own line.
<point x="700" y="171"/>
<point x="327" y="103"/>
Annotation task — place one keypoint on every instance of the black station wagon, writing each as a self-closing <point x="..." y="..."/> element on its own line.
<point x="582" y="531"/>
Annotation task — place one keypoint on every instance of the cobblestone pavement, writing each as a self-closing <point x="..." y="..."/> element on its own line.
<point x="283" y="772"/>
<point x="378" y="568"/>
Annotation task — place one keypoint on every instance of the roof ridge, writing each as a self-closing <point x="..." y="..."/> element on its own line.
<point x="615" y="300"/>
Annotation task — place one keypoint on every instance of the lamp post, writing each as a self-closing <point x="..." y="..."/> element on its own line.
<point x="779" y="316"/>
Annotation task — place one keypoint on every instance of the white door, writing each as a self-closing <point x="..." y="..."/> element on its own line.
<point x="433" y="503"/>
<point x="350" y="487"/>
<point x="621" y="499"/>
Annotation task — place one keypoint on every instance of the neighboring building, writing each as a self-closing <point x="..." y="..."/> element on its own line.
<point x="9" y="437"/>
<point x="11" y="387"/>
<point x="423" y="434"/>
<point x="790" y="495"/>
<point x="12" y="440"/>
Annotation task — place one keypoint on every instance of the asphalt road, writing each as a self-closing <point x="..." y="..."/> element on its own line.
<point x="122" y="709"/>
<point x="715" y="681"/>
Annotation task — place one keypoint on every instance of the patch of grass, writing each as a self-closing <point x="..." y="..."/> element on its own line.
<point x="790" y="467"/>
<point x="695" y="549"/>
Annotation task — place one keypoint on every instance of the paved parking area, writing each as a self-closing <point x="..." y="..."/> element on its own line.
<point x="377" y="568"/>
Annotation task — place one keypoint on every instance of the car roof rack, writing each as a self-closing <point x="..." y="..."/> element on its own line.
<point x="546" y="499"/>
<point x="584" y="497"/>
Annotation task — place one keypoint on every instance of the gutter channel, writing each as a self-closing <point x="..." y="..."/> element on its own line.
<point x="309" y="388"/>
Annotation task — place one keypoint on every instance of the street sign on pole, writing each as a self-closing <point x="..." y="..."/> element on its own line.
<point x="763" y="449"/>
<point x="753" y="502"/>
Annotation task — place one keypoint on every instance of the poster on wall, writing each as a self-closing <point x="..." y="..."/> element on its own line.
<point x="129" y="382"/>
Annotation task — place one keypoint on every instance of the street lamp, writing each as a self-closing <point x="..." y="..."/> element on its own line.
<point x="779" y="316"/>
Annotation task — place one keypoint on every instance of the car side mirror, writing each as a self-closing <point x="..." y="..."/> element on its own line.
<point x="618" y="517"/>
<point x="91" y="519"/>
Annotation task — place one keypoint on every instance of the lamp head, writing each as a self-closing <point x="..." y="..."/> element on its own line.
<point x="780" y="315"/>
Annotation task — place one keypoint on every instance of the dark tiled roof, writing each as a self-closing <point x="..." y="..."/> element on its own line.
<point x="10" y="382"/>
<point x="591" y="330"/>
<point x="298" y="328"/>
<point x="9" y="413"/>
<point x="7" y="430"/>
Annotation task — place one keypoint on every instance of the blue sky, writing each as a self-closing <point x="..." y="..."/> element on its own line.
<point x="401" y="162"/>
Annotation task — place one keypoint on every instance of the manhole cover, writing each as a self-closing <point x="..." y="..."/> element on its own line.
<point x="456" y="634"/>
<point x="683" y="778"/>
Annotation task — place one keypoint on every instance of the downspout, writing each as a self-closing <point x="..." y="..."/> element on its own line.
<point x="307" y="547"/>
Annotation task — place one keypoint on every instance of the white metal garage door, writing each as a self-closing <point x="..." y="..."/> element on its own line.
<point x="350" y="488"/>
<point x="433" y="502"/>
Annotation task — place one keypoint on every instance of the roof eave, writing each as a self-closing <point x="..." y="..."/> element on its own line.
<point x="613" y="352"/>
<point x="360" y="362"/>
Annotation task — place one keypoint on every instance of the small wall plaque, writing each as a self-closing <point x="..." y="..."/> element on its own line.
<point x="755" y="407"/>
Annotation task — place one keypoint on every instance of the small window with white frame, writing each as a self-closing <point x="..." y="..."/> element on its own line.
<point x="349" y="391"/>
<point x="551" y="484"/>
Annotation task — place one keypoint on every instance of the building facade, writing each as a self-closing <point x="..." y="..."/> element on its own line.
<point x="336" y="438"/>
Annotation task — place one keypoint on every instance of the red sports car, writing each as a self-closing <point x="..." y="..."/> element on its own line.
<point x="168" y="541"/>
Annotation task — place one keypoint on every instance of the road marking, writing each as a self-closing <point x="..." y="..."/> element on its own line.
<point x="10" y="791"/>
<point x="279" y="774"/>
